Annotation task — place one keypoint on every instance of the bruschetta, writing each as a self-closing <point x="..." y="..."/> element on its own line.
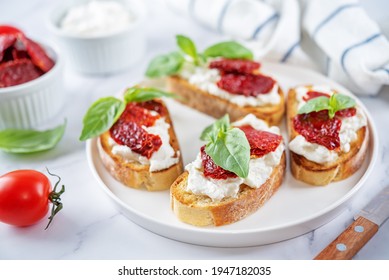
<point x="224" y="79"/>
<point x="208" y="194"/>
<point x="139" y="148"/>
<point x="328" y="134"/>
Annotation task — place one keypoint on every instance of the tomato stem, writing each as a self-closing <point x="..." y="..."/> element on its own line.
<point x="55" y="198"/>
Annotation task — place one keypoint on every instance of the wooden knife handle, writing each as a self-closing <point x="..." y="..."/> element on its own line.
<point x="349" y="242"/>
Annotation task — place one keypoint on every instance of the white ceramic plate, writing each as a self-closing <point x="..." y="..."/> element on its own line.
<point x="294" y="210"/>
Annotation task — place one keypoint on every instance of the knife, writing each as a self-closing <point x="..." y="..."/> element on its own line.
<point x="365" y="225"/>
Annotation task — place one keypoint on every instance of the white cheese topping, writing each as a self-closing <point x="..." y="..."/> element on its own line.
<point x="159" y="160"/>
<point x="347" y="134"/>
<point x="97" y="18"/>
<point x="206" y="79"/>
<point x="259" y="170"/>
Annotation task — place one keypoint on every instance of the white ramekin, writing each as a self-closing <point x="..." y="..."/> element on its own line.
<point x="102" y="54"/>
<point x="36" y="102"/>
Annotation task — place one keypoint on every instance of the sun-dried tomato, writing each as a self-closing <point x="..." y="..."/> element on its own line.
<point x="154" y="105"/>
<point x="135" y="113"/>
<point x="17" y="72"/>
<point x="313" y="94"/>
<point x="21" y="59"/>
<point x="261" y="142"/>
<point x="7" y="29"/>
<point x="37" y="54"/>
<point x="318" y="128"/>
<point x="345" y="113"/>
<point x="129" y="131"/>
<point x="211" y="170"/>
<point x="6" y="41"/>
<point x="19" y="54"/>
<point x="247" y="84"/>
<point x="237" y="66"/>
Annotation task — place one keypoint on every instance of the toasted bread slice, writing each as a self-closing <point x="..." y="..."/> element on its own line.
<point x="135" y="174"/>
<point x="217" y="107"/>
<point x="200" y="210"/>
<point x="322" y="174"/>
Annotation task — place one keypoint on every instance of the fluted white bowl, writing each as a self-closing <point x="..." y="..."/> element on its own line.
<point x="105" y="53"/>
<point x="36" y="102"/>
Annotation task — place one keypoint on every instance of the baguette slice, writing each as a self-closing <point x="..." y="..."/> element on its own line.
<point x="217" y="107"/>
<point x="200" y="210"/>
<point x="137" y="175"/>
<point x="322" y="174"/>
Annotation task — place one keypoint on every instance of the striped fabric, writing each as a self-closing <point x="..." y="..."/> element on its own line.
<point x="353" y="50"/>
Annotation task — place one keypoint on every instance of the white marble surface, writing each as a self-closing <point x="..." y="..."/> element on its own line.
<point x="90" y="227"/>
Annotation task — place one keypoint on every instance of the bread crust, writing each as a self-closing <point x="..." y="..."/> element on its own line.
<point x="200" y="210"/>
<point x="137" y="175"/>
<point x="322" y="174"/>
<point x="217" y="107"/>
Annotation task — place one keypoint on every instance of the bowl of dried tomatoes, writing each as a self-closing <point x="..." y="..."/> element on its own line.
<point x="30" y="80"/>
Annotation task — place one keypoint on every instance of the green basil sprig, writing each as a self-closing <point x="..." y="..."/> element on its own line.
<point x="230" y="49"/>
<point x="227" y="146"/>
<point x="143" y="94"/>
<point x="163" y="65"/>
<point x="101" y="116"/>
<point x="104" y="112"/>
<point x="170" y="64"/>
<point x="333" y="104"/>
<point x="188" y="47"/>
<point x="20" y="141"/>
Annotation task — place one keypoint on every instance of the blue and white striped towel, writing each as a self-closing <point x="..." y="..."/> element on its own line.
<point x="355" y="52"/>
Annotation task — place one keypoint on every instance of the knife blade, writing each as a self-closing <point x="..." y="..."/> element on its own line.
<point x="364" y="227"/>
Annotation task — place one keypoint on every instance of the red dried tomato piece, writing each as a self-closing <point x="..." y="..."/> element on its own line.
<point x="317" y="127"/>
<point x="247" y="84"/>
<point x="261" y="142"/>
<point x="135" y="137"/>
<point x="128" y="130"/>
<point x="6" y="41"/>
<point x="313" y="94"/>
<point x="17" y="72"/>
<point x="154" y="105"/>
<point x="212" y="170"/>
<point x="135" y="113"/>
<point x="37" y="54"/>
<point x="7" y="29"/>
<point x="19" y="54"/>
<point x="237" y="66"/>
<point x="345" y="113"/>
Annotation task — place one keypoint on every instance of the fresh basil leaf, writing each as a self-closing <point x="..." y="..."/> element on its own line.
<point x="315" y="105"/>
<point x="188" y="47"/>
<point x="101" y="116"/>
<point x="231" y="151"/>
<point x="343" y="101"/>
<point x="206" y="134"/>
<point x="144" y="94"/>
<point x="230" y="49"/>
<point x="30" y="141"/>
<point x="165" y="65"/>
<point x="210" y="133"/>
<point x="333" y="104"/>
<point x="227" y="146"/>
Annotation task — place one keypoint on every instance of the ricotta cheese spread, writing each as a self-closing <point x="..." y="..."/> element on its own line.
<point x="347" y="134"/>
<point x="97" y="18"/>
<point x="159" y="160"/>
<point x="259" y="169"/>
<point x="206" y="79"/>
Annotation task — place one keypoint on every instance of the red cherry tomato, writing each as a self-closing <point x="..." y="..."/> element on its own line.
<point x="25" y="197"/>
<point x="7" y="29"/>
